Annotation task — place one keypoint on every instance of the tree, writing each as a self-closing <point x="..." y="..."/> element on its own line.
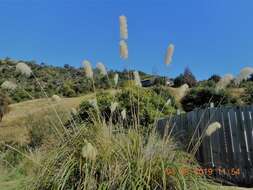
<point x="179" y="80"/>
<point x="251" y="77"/>
<point x="189" y="78"/>
<point x="186" y="78"/>
<point x="215" y="78"/>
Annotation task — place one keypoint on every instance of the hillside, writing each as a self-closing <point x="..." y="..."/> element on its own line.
<point x="64" y="81"/>
<point x="13" y="128"/>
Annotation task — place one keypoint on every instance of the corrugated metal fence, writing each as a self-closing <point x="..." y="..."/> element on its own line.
<point x="229" y="149"/>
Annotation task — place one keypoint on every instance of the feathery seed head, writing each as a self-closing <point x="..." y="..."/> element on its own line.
<point x="101" y="68"/>
<point x="88" y="69"/>
<point x="56" y="98"/>
<point x="23" y="69"/>
<point x="116" y="79"/>
<point x="169" y="54"/>
<point x="212" y="128"/>
<point x="93" y="103"/>
<point x="123" y="49"/>
<point x="113" y="107"/>
<point x="183" y="89"/>
<point x="137" y="79"/>
<point x="123" y="27"/>
<point x="224" y="82"/>
<point x="89" y="152"/>
<point x="168" y="102"/>
<point x="123" y="114"/>
<point x="74" y="111"/>
<point x="8" y="85"/>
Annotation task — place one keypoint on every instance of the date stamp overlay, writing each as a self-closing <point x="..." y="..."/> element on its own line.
<point x="203" y="171"/>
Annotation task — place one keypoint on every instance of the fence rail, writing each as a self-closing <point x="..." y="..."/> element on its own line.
<point x="228" y="150"/>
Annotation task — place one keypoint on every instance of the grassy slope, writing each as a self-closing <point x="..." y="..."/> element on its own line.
<point x="12" y="128"/>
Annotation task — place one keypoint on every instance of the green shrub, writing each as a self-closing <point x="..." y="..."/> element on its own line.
<point x="207" y="84"/>
<point x="165" y="94"/>
<point x="248" y="95"/>
<point x="142" y="106"/>
<point x="201" y="97"/>
<point x="68" y="91"/>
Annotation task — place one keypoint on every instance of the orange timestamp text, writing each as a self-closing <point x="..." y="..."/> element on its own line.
<point x="203" y="171"/>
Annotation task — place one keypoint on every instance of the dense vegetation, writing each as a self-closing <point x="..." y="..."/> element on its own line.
<point x="202" y="97"/>
<point x="109" y="141"/>
<point x="131" y="105"/>
<point x="64" y="81"/>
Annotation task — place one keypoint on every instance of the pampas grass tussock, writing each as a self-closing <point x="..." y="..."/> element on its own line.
<point x="101" y="68"/>
<point x="123" y="27"/>
<point x="88" y="69"/>
<point x="123" y="114"/>
<point x="123" y="49"/>
<point x="88" y="151"/>
<point x="169" y="54"/>
<point x="114" y="106"/>
<point x="224" y="82"/>
<point x="137" y="79"/>
<point x="23" y="69"/>
<point x="8" y="85"/>
<point x="55" y="98"/>
<point x="125" y="159"/>
<point x="212" y="128"/>
<point x="244" y="75"/>
<point x="183" y="89"/>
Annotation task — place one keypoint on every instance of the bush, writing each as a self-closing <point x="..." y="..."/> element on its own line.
<point x="68" y="91"/>
<point x="200" y="97"/>
<point x="89" y="109"/>
<point x="165" y="94"/>
<point x="142" y="105"/>
<point x="160" y="81"/>
<point x="248" y="95"/>
<point x="215" y="78"/>
<point x="207" y="83"/>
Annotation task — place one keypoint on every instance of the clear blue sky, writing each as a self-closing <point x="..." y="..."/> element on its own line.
<point x="210" y="36"/>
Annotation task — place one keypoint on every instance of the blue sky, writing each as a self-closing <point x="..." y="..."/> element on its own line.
<point x="210" y="36"/>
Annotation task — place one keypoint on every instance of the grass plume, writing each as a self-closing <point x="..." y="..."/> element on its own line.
<point x="123" y="27"/>
<point x="88" y="69"/>
<point x="123" y="49"/>
<point x="169" y="54"/>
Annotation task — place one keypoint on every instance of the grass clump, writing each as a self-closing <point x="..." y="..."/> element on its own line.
<point x="101" y="158"/>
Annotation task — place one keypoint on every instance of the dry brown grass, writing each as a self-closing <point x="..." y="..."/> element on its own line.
<point x="236" y="92"/>
<point x="12" y="128"/>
